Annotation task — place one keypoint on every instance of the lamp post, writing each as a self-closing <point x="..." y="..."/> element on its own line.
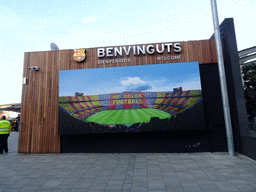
<point x="223" y="83"/>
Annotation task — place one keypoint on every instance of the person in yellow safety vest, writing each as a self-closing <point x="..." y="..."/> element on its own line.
<point x="5" y="130"/>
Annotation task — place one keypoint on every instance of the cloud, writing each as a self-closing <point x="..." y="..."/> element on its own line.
<point x="135" y="84"/>
<point x="89" y="19"/>
<point x="132" y="81"/>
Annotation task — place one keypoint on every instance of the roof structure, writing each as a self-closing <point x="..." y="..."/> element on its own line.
<point x="247" y="54"/>
<point x="15" y="107"/>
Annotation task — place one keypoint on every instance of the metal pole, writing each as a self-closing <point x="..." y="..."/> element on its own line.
<point x="223" y="83"/>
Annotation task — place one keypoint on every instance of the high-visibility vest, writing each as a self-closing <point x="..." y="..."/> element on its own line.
<point x="5" y="127"/>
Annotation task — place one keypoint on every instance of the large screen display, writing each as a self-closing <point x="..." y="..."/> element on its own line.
<point x="159" y="97"/>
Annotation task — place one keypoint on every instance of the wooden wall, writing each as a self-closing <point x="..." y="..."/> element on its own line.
<point x="39" y="107"/>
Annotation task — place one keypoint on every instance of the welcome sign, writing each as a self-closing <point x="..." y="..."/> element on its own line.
<point x="137" y="50"/>
<point x="122" y="54"/>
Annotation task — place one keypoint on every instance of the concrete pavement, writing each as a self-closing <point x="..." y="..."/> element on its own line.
<point x="125" y="172"/>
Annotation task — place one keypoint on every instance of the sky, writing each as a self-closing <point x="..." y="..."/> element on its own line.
<point x="146" y="78"/>
<point x="31" y="25"/>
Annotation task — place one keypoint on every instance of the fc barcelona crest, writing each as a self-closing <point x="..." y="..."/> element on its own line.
<point x="79" y="55"/>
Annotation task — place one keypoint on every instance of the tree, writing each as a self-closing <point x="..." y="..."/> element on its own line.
<point x="249" y="72"/>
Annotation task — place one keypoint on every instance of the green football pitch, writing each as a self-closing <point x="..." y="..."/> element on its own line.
<point x="126" y="116"/>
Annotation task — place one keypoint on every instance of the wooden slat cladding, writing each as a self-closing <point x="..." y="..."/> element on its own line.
<point x="39" y="110"/>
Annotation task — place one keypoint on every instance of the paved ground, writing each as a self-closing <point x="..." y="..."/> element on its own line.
<point x="125" y="172"/>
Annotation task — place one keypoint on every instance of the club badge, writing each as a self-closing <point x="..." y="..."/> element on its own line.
<point x="79" y="55"/>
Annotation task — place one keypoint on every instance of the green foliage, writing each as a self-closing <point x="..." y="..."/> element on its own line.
<point x="249" y="72"/>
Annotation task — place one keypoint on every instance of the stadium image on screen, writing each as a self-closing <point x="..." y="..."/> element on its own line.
<point x="126" y="99"/>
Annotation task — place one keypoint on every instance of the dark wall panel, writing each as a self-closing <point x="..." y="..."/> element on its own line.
<point x="234" y="83"/>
